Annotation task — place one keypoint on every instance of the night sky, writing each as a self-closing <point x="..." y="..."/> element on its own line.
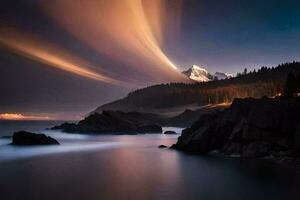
<point x="224" y="36"/>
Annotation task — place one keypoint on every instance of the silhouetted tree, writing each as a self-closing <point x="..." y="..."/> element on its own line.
<point x="292" y="85"/>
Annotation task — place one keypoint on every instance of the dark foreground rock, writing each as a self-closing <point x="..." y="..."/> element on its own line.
<point x="28" y="138"/>
<point x="170" y="132"/>
<point x="249" y="128"/>
<point x="115" y="122"/>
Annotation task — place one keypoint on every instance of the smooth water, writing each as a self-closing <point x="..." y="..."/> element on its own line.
<point x="132" y="167"/>
<point x="8" y="127"/>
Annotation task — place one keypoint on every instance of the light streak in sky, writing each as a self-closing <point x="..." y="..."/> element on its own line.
<point x="130" y="32"/>
<point x="41" y="51"/>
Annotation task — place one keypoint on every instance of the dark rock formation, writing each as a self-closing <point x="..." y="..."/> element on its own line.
<point x="250" y="128"/>
<point x="115" y="122"/>
<point x="188" y="117"/>
<point x="162" y="146"/>
<point x="28" y="138"/>
<point x="184" y="119"/>
<point x="149" y="129"/>
<point x="169" y="132"/>
<point x="66" y="125"/>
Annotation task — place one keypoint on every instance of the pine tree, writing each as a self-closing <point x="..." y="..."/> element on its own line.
<point x="290" y="85"/>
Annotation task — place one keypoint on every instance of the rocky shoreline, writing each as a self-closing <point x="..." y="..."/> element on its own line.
<point x="250" y="128"/>
<point x="116" y="122"/>
<point x="119" y="122"/>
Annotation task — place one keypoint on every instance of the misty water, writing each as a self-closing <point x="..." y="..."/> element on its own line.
<point x="131" y="167"/>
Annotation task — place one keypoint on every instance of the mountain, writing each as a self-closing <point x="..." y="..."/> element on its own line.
<point x="180" y="96"/>
<point x="221" y="76"/>
<point x="200" y="74"/>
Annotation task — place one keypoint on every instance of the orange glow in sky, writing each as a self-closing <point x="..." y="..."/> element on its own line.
<point x="127" y="32"/>
<point x="130" y="32"/>
<point x="18" y="116"/>
<point x="41" y="51"/>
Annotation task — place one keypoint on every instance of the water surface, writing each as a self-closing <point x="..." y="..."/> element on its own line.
<point x="132" y="167"/>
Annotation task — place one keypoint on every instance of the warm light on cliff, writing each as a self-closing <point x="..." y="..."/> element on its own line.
<point x="224" y="104"/>
<point x="279" y="94"/>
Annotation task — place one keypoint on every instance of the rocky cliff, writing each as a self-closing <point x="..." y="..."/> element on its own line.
<point x="249" y="128"/>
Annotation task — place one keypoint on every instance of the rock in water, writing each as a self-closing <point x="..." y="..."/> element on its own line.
<point x="28" y="138"/>
<point x="115" y="122"/>
<point x="162" y="146"/>
<point x="169" y="132"/>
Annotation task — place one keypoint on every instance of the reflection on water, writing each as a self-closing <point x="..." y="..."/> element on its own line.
<point x="9" y="152"/>
<point x="132" y="167"/>
<point x="137" y="174"/>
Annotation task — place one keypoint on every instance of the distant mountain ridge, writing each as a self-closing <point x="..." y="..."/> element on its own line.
<point x="222" y="75"/>
<point x="264" y="82"/>
<point x="200" y="74"/>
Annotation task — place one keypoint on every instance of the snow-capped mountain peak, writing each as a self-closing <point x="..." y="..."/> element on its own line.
<point x="200" y="74"/>
<point x="197" y="68"/>
<point x="197" y="73"/>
